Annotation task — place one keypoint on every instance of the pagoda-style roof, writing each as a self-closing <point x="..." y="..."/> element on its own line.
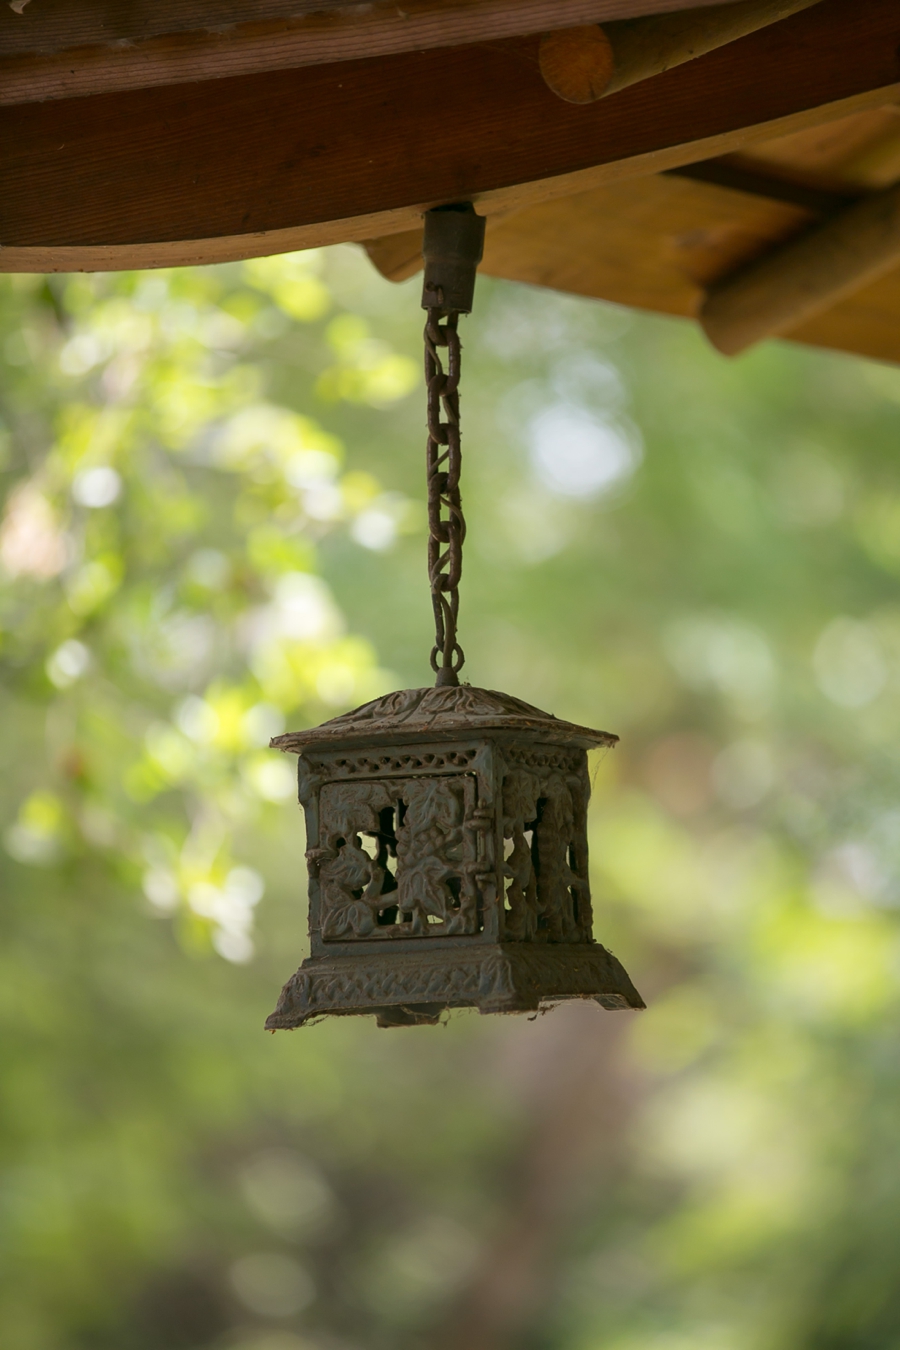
<point x="739" y="165"/>
<point x="438" y="714"/>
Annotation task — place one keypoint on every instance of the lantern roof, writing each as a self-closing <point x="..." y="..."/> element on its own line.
<point x="439" y="714"/>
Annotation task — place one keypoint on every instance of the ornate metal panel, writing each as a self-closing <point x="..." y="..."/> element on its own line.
<point x="447" y="869"/>
<point x="544" y="819"/>
<point x="400" y="858"/>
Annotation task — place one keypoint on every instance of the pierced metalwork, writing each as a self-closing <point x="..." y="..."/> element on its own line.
<point x="448" y="861"/>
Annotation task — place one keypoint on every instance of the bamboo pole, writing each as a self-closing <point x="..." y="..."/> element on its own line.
<point x="586" y="63"/>
<point x="806" y="276"/>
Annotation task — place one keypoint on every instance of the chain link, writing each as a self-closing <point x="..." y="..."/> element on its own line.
<point x="446" y="524"/>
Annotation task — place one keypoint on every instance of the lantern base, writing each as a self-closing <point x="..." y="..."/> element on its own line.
<point x="414" y="988"/>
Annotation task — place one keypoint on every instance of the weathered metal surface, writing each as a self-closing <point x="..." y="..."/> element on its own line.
<point x="415" y="989"/>
<point x="448" y="861"/>
<point x="437" y="714"/>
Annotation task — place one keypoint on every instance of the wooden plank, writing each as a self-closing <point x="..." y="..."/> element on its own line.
<point x="512" y="249"/>
<point x="261" y="164"/>
<point x="651" y="243"/>
<point x="744" y="175"/>
<point x="47" y="26"/>
<point x="658" y="243"/>
<point x="320" y="38"/>
<point x="59" y="25"/>
<point x="862" y="151"/>
<point x="399" y="256"/>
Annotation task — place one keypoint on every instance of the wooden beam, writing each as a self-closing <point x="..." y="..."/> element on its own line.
<point x="266" y="163"/>
<point x="799" y="280"/>
<point x="41" y="27"/>
<point x="586" y="63"/>
<point x="320" y="38"/>
<point x="648" y="243"/>
<point x="399" y="256"/>
<point x="741" y="175"/>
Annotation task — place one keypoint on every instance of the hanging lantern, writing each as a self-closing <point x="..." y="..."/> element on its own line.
<point x="447" y="826"/>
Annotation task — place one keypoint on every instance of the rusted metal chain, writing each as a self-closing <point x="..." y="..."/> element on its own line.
<point x="452" y="246"/>
<point x="446" y="523"/>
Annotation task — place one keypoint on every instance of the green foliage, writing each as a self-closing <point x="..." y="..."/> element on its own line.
<point x="160" y="546"/>
<point x="212" y="527"/>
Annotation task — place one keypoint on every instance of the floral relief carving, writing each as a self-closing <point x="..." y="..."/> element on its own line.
<point x="398" y="859"/>
<point x="373" y="984"/>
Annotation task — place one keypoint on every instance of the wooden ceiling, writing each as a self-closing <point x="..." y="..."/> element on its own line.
<point x="659" y="242"/>
<point x="651" y="197"/>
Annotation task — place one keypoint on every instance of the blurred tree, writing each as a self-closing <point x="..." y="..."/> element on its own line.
<point x="212" y="524"/>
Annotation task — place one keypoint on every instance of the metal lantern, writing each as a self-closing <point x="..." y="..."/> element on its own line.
<point x="447" y="826"/>
<point x="448" y="861"/>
